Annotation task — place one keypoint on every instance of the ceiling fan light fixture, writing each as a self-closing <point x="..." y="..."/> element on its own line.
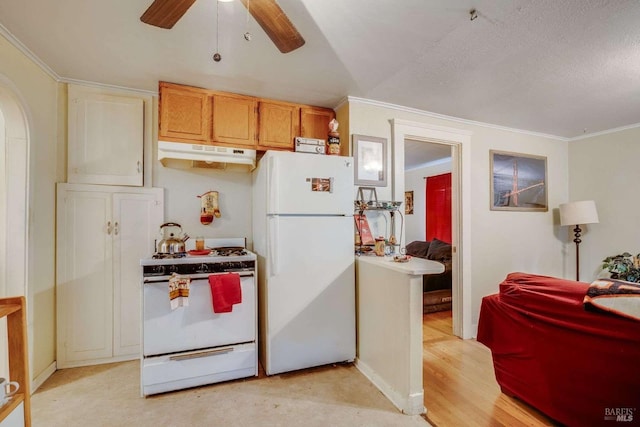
<point x="267" y="13"/>
<point x="225" y="1"/>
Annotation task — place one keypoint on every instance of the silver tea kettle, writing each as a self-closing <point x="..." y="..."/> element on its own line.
<point x="171" y="243"/>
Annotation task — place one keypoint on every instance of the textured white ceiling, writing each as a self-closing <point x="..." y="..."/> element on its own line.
<point x="561" y="67"/>
<point x="419" y="154"/>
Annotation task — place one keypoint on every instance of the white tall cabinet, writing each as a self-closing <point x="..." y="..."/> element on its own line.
<point x="103" y="232"/>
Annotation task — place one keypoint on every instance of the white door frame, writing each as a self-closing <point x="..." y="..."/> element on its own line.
<point x="459" y="140"/>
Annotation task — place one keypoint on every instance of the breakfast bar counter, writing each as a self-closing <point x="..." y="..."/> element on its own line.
<point x="389" y="326"/>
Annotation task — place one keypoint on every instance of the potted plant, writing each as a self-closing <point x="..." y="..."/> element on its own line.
<point x="624" y="266"/>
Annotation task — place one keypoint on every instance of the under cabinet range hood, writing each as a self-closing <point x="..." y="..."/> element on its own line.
<point x="207" y="156"/>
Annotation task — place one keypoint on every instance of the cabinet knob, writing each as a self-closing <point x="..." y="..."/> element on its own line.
<point x="115" y="230"/>
<point x="109" y="227"/>
<point x="139" y="166"/>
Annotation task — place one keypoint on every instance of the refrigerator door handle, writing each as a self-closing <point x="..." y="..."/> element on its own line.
<point x="273" y="185"/>
<point x="273" y="250"/>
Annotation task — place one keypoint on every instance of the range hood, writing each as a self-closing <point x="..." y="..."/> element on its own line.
<point x="201" y="155"/>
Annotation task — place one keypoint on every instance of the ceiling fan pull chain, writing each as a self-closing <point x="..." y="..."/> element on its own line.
<point x="247" y="34"/>
<point x="216" y="56"/>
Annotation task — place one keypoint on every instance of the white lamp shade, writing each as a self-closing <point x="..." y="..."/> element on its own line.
<point x="575" y="213"/>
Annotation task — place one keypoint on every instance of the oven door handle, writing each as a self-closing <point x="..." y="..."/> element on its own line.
<point x="198" y="354"/>
<point x="157" y="279"/>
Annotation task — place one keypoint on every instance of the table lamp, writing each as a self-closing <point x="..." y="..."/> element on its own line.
<point x="578" y="213"/>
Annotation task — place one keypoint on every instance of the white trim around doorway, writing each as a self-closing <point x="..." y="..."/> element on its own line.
<point x="459" y="140"/>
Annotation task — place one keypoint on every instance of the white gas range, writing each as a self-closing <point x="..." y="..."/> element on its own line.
<point x="192" y="345"/>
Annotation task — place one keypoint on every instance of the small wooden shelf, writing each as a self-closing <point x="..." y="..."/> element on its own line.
<point x="6" y="310"/>
<point x="14" y="310"/>
<point x="12" y="404"/>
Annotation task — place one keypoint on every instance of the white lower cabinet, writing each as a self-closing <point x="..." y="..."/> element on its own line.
<point x="102" y="233"/>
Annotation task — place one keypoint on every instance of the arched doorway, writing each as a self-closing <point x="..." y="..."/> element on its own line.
<point x="14" y="182"/>
<point x="14" y="191"/>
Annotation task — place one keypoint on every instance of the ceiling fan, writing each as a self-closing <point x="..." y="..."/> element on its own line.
<point x="272" y="19"/>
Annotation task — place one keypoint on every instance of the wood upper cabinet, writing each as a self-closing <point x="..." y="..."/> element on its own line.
<point x="279" y="124"/>
<point x="189" y="114"/>
<point x="185" y="113"/>
<point x="234" y="120"/>
<point x="314" y="122"/>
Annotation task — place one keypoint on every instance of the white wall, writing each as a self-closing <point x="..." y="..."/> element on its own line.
<point x="501" y="242"/>
<point x="38" y="91"/>
<point x="605" y="168"/>
<point x="182" y="205"/>
<point x="414" y="180"/>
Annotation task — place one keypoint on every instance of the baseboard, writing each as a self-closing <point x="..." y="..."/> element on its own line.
<point x="412" y="404"/>
<point x="474" y="331"/>
<point x="44" y="375"/>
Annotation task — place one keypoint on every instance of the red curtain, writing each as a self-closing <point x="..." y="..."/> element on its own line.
<point x="438" y="207"/>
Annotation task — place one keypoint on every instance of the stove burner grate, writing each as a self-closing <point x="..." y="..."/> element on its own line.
<point x="228" y="251"/>
<point x="169" y="256"/>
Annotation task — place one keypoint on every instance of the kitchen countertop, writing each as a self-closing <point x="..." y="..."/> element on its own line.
<point x="415" y="266"/>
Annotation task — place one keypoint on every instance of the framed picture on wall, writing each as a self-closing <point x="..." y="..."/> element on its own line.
<point x="518" y="182"/>
<point x="408" y="202"/>
<point x="370" y="155"/>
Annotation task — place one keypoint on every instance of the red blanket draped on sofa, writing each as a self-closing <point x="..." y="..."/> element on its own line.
<point x="580" y="368"/>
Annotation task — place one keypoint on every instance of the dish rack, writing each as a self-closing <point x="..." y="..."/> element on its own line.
<point x="371" y="203"/>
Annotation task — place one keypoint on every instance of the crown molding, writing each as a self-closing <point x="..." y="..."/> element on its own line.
<point x="26" y="52"/>
<point x="342" y="102"/>
<point x="108" y="86"/>
<point x="49" y="71"/>
<point x="450" y="118"/>
<point x="605" y="132"/>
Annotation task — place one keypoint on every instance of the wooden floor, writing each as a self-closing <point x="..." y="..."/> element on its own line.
<point x="459" y="384"/>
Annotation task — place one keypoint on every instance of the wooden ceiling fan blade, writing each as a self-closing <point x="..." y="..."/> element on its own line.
<point x="275" y="23"/>
<point x="165" y="13"/>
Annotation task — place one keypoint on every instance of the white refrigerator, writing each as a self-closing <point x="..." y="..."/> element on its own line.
<point x="303" y="235"/>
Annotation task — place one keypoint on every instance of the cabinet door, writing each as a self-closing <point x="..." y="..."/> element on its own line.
<point x="84" y="279"/>
<point x="314" y="122"/>
<point x="106" y="138"/>
<point x="185" y="113"/>
<point x="234" y="120"/>
<point x="279" y="125"/>
<point x="137" y="219"/>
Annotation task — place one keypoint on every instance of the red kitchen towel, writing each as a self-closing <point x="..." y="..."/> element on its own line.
<point x="225" y="291"/>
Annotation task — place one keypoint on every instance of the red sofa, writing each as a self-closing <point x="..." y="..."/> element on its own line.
<point x="581" y="368"/>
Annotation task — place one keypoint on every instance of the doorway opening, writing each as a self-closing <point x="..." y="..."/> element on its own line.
<point x="13" y="193"/>
<point x="459" y="143"/>
<point x="428" y="219"/>
<point x="14" y="161"/>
